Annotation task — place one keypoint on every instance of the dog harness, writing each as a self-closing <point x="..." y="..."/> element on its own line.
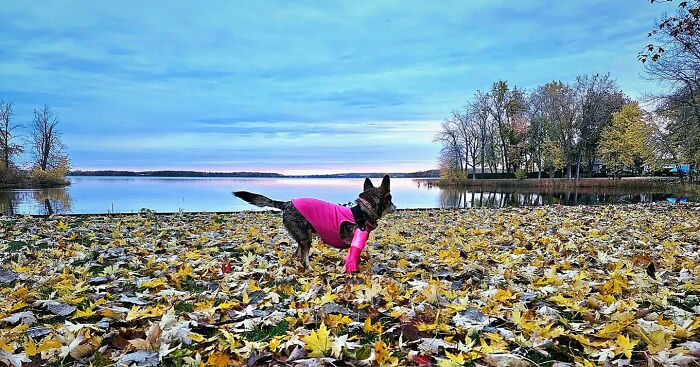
<point x="326" y="219"/>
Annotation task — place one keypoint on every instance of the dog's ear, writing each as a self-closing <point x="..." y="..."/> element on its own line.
<point x="368" y="184"/>
<point x="385" y="183"/>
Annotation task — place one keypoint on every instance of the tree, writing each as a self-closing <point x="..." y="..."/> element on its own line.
<point x="452" y="147"/>
<point x="624" y="142"/>
<point x="478" y="108"/>
<point x="46" y="142"/>
<point x="559" y="112"/>
<point x="682" y="26"/>
<point x="554" y="158"/>
<point x="598" y="97"/>
<point x="7" y="146"/>
<point x="676" y="68"/>
<point x="499" y="99"/>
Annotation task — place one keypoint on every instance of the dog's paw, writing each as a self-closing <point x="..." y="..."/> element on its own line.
<point x="350" y="267"/>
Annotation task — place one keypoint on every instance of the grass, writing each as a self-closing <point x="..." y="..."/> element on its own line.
<point x="266" y="333"/>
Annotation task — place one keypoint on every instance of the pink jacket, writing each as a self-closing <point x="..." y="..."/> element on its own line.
<point x="326" y="219"/>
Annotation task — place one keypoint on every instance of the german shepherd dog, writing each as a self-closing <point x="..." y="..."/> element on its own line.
<point x="371" y="205"/>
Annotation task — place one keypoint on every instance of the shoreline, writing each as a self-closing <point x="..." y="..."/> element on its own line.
<point x="34" y="186"/>
<point x="662" y="183"/>
<point x="272" y="211"/>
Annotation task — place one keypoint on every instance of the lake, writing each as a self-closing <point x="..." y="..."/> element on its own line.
<point x="166" y="194"/>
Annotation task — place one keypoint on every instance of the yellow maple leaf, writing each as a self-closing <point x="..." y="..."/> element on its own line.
<point x="88" y="312"/>
<point x="328" y="297"/>
<point x="422" y="326"/>
<point x="49" y="344"/>
<point x="227" y="305"/>
<point x="62" y="225"/>
<point x="275" y="343"/>
<point x="4" y="346"/>
<point x="453" y="360"/>
<point x="502" y="295"/>
<point x="196" y="337"/>
<point x="368" y="327"/>
<point x="30" y="348"/>
<point x="623" y="345"/>
<point x="152" y="283"/>
<point x="382" y="354"/>
<point x="335" y="320"/>
<point x="660" y="341"/>
<point x="318" y="342"/>
<point x="253" y="286"/>
<point x="219" y="359"/>
<point x="184" y="271"/>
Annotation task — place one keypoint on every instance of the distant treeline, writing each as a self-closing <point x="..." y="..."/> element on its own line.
<point x="420" y="174"/>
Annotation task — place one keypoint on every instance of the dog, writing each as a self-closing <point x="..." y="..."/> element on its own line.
<point x="338" y="226"/>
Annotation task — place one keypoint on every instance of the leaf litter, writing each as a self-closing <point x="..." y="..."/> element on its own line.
<point x="549" y="286"/>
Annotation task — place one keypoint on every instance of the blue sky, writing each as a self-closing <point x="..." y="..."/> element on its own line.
<point x="295" y="87"/>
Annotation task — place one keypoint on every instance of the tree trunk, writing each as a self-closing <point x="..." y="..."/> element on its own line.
<point x="578" y="166"/>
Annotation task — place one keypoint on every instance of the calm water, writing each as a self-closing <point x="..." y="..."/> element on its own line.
<point x="130" y="194"/>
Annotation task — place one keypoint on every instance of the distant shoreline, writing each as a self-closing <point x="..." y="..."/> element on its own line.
<point x="79" y="173"/>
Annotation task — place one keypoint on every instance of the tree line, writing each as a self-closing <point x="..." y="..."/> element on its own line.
<point x="574" y="129"/>
<point x="49" y="163"/>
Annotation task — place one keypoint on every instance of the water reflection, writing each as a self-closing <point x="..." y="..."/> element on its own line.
<point x="101" y="195"/>
<point x="39" y="201"/>
<point x="474" y="197"/>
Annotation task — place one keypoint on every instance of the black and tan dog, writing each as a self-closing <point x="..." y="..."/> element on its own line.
<point x="338" y="226"/>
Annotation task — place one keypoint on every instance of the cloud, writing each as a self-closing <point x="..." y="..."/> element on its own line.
<point x="164" y="76"/>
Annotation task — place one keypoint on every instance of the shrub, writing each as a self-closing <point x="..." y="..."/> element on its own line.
<point x="55" y="176"/>
<point x="520" y="174"/>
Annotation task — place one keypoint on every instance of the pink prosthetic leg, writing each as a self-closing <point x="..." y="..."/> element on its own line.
<point x="359" y="240"/>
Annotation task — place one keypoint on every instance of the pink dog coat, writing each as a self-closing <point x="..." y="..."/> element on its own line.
<point x="326" y="219"/>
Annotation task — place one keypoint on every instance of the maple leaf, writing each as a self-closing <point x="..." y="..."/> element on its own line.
<point x="339" y="343"/>
<point x="219" y="359"/>
<point x="368" y="327"/>
<point x="624" y="345"/>
<point x="318" y="342"/>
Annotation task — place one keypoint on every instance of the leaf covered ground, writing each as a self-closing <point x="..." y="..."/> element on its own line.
<point x="561" y="286"/>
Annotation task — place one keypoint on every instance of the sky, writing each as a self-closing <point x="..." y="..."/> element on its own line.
<point x="294" y="87"/>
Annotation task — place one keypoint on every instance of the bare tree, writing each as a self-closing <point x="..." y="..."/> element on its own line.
<point x="45" y="139"/>
<point x="538" y="123"/>
<point x="7" y="147"/>
<point x="478" y="109"/>
<point x="452" y="147"/>
<point x="498" y="108"/>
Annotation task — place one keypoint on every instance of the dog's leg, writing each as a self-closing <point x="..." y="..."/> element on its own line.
<point x="300" y="229"/>
<point x="304" y="255"/>
<point x="304" y="242"/>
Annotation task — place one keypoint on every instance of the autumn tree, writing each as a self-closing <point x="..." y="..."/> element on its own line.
<point x="554" y="158"/>
<point x="624" y="142"/>
<point x="7" y="136"/>
<point x="683" y="26"/>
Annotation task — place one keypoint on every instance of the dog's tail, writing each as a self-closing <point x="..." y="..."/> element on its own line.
<point x="259" y="200"/>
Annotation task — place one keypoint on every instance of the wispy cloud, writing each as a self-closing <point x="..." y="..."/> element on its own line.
<point x="278" y="85"/>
